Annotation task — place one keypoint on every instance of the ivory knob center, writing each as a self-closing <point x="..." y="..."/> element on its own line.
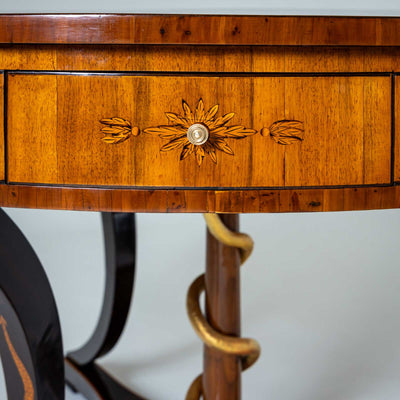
<point x="198" y="134"/>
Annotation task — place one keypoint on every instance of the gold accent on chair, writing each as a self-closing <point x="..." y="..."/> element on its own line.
<point x="247" y="349"/>
<point x="29" y="391"/>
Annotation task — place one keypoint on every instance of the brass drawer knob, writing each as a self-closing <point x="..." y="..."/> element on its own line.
<point x="198" y="134"/>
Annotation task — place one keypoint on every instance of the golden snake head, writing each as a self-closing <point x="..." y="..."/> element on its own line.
<point x="3" y="321"/>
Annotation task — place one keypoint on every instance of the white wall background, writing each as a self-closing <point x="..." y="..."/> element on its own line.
<point x="321" y="292"/>
<point x="263" y="7"/>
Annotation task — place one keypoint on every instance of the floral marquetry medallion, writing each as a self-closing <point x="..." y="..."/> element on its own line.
<point x="199" y="132"/>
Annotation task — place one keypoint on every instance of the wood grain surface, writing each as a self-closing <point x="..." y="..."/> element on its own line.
<point x="274" y="59"/>
<point x="54" y="132"/>
<point x="220" y="201"/>
<point x="199" y="29"/>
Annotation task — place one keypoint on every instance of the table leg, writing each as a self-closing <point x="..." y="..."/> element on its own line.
<point x="221" y="377"/>
<point x="225" y="353"/>
<point x="30" y="335"/>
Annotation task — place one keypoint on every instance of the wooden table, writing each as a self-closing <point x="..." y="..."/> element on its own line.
<point x="169" y="113"/>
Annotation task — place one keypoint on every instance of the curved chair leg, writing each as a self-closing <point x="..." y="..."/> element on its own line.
<point x="30" y="335"/>
<point x="82" y="373"/>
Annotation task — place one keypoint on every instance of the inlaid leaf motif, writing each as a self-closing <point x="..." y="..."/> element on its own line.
<point x="175" y="119"/>
<point x="210" y="150"/>
<point x="199" y="113"/>
<point x="188" y="149"/>
<point x="116" y="121"/>
<point x="235" y="132"/>
<point x="285" y="131"/>
<point x="117" y="130"/>
<point x="187" y="111"/>
<point x="218" y="128"/>
<point x="199" y="151"/>
<point x="221" y="120"/>
<point x="174" y="144"/>
<point x="211" y="113"/>
<point x="220" y="144"/>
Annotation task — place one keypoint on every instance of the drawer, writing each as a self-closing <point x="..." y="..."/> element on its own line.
<point x="397" y="129"/>
<point x="245" y="131"/>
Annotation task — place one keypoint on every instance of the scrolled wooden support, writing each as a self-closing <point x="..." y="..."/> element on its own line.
<point x="247" y="349"/>
<point x="30" y="334"/>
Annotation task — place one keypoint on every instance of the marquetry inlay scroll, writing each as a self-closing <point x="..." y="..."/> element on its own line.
<point x="200" y="132"/>
<point x="29" y="392"/>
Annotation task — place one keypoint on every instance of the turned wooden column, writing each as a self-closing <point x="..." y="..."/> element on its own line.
<point x="221" y="378"/>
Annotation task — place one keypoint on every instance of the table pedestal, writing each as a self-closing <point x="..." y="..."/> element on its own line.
<point x="221" y="378"/>
<point x="225" y="354"/>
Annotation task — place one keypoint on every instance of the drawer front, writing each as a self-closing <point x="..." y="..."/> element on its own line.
<point x="397" y="130"/>
<point x="253" y="131"/>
